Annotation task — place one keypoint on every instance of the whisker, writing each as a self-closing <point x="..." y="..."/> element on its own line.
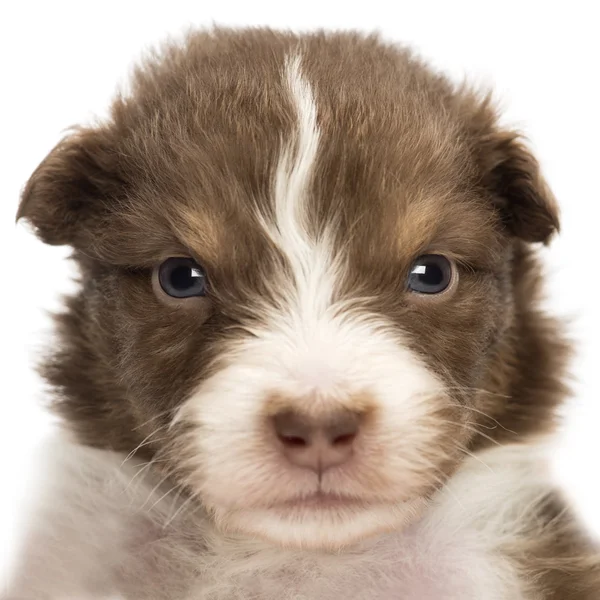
<point x="158" y="416"/>
<point x="155" y="489"/>
<point x="465" y="388"/>
<point x="444" y="487"/>
<point x="467" y="425"/>
<point x="485" y="415"/>
<point x="169" y="491"/>
<point x="476" y="458"/>
<point x="147" y="440"/>
<point x="179" y="511"/>
<point x="142" y="468"/>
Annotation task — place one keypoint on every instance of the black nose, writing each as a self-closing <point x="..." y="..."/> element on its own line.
<point x="317" y="444"/>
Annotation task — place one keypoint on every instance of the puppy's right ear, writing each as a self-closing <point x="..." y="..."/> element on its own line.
<point x="68" y="193"/>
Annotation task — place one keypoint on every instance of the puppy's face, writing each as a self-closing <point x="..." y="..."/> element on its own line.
<point x="296" y="261"/>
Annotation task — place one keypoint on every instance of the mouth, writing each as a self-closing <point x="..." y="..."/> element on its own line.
<point x="322" y="501"/>
<point x="321" y="521"/>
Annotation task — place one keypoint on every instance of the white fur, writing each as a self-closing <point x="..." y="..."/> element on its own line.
<point x="95" y="533"/>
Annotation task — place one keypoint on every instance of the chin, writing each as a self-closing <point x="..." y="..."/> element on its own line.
<point x="320" y="523"/>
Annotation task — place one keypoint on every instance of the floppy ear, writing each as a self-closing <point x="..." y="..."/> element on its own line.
<point x="511" y="174"/>
<point x="69" y="190"/>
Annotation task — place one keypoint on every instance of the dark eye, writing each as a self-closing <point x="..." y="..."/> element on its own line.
<point x="430" y="274"/>
<point x="181" y="277"/>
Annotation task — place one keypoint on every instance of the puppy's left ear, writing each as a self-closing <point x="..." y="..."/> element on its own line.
<point x="511" y="174"/>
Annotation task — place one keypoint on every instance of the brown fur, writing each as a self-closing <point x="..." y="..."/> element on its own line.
<point x="408" y="163"/>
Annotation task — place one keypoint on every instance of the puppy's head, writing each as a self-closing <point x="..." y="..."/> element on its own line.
<point x="302" y="268"/>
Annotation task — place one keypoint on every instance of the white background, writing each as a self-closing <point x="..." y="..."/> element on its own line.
<point x="59" y="63"/>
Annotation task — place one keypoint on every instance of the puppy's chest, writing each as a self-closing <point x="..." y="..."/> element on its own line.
<point x="416" y="565"/>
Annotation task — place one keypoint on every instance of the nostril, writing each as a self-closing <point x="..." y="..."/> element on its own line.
<point x="292" y="430"/>
<point x="293" y="441"/>
<point x="343" y="428"/>
<point x="344" y="440"/>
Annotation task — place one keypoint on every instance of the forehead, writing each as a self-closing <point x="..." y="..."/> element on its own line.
<point x="240" y="139"/>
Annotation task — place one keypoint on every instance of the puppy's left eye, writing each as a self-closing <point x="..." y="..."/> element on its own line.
<point x="181" y="277"/>
<point x="430" y="274"/>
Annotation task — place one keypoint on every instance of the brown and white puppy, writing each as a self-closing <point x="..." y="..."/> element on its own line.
<point x="307" y="358"/>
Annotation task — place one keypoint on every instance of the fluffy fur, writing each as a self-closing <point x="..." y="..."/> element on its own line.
<point x="142" y="543"/>
<point x="305" y="174"/>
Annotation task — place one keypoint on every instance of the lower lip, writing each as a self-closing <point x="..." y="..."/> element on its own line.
<point x="323" y="501"/>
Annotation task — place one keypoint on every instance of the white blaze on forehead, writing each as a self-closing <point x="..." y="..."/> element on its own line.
<point x="309" y="256"/>
<point x="294" y="173"/>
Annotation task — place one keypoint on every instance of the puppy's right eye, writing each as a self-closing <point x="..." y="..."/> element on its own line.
<point x="431" y="274"/>
<point x="181" y="277"/>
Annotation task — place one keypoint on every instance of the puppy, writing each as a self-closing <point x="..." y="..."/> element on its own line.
<point x="307" y="358"/>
